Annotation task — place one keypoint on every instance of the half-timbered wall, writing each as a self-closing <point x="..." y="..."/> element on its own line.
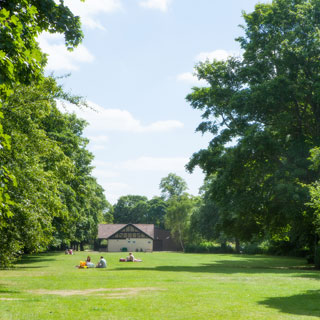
<point x="129" y="232"/>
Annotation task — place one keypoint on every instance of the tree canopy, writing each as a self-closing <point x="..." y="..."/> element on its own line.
<point x="55" y="201"/>
<point x="263" y="111"/>
<point x="172" y="185"/>
<point x="22" y="62"/>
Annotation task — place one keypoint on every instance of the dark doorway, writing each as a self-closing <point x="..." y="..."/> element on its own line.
<point x="157" y="245"/>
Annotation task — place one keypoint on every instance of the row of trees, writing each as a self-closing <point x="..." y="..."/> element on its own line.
<point x="54" y="200"/>
<point x="48" y="197"/>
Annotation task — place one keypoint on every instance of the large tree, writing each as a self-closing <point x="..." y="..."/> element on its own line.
<point x="264" y="111"/>
<point x="21" y="60"/>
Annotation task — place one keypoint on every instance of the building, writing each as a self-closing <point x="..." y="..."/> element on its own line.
<point x="136" y="237"/>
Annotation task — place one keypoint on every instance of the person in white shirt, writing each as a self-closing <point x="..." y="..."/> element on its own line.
<point x="102" y="263"/>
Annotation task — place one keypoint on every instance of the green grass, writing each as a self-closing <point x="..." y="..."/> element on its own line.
<point x="163" y="286"/>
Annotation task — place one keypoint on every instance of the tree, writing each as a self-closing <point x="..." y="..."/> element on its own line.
<point x="131" y="209"/>
<point x="263" y="110"/>
<point x="172" y="185"/>
<point x="205" y="220"/>
<point x="177" y="218"/>
<point x="157" y="209"/>
<point x="21" y="61"/>
<point x="22" y="21"/>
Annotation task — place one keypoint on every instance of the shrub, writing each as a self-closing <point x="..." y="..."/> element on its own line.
<point x="208" y="247"/>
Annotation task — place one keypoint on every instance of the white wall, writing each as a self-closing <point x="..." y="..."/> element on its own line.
<point x="115" y="245"/>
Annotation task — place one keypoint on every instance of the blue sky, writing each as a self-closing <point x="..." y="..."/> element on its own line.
<point x="135" y="68"/>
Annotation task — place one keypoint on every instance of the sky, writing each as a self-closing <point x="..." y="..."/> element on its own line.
<point x="135" y="68"/>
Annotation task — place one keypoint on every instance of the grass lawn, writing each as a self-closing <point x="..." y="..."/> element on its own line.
<point x="163" y="286"/>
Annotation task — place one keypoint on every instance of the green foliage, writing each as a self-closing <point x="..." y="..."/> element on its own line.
<point x="157" y="209"/>
<point x="172" y="185"/>
<point x="130" y="209"/>
<point x="55" y="200"/>
<point x="178" y="215"/>
<point x="208" y="247"/>
<point x="263" y="110"/>
<point x="21" y="62"/>
<point x="138" y="209"/>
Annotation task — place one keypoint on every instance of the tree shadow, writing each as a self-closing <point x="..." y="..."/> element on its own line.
<point x="7" y="291"/>
<point x="247" y="265"/>
<point x="29" y="267"/>
<point x="43" y="257"/>
<point x="307" y="304"/>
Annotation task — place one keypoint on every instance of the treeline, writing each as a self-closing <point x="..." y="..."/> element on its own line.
<point x="171" y="211"/>
<point x="54" y="200"/>
<point x="48" y="197"/>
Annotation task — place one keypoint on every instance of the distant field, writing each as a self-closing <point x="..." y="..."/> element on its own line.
<point x="163" y="286"/>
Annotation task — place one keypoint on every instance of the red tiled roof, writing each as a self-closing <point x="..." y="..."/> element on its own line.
<point x="107" y="230"/>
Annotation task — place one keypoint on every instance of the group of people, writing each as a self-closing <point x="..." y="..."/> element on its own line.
<point x="88" y="264"/>
<point x="103" y="263"/>
<point x="69" y="251"/>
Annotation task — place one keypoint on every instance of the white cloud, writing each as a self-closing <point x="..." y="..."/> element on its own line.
<point x="114" y="190"/>
<point x="97" y="147"/>
<point x="190" y="78"/>
<point x="106" y="120"/>
<point x="155" y="164"/>
<point x="161" y="5"/>
<point x="104" y="174"/>
<point x="220" y="55"/>
<point x="90" y="9"/>
<point x="59" y="57"/>
<point x="97" y="142"/>
<point x="104" y="164"/>
<point x="113" y="176"/>
<point x="98" y="139"/>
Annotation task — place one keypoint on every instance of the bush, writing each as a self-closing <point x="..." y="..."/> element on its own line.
<point x="256" y="247"/>
<point x="252" y="248"/>
<point x="208" y="247"/>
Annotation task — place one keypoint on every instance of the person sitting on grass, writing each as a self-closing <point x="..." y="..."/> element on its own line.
<point x="131" y="258"/>
<point x="102" y="263"/>
<point x="89" y="263"/>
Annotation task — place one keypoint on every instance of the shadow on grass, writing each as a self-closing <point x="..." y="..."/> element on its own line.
<point x="32" y="258"/>
<point x="307" y="304"/>
<point x="247" y="265"/>
<point x="27" y="260"/>
<point x="7" y="291"/>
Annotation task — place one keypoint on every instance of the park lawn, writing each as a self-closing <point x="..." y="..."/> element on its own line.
<point x="164" y="286"/>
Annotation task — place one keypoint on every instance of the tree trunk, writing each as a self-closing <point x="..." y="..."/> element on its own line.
<point x="237" y="245"/>
<point x="180" y="239"/>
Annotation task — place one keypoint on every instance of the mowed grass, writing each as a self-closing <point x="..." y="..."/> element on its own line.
<point x="163" y="286"/>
